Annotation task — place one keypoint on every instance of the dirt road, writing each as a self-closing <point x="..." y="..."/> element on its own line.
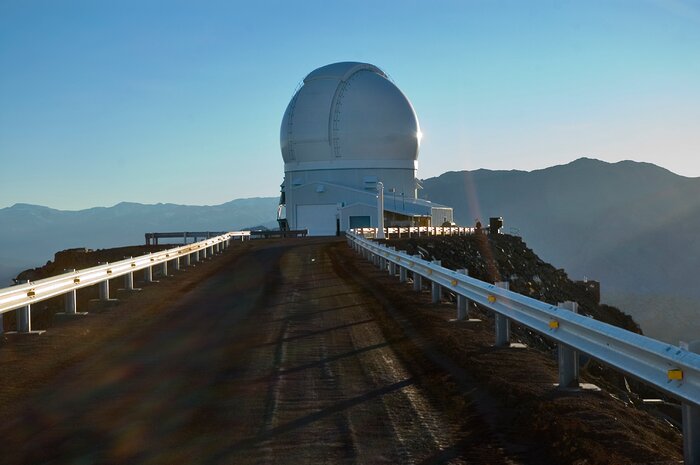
<point x="274" y="357"/>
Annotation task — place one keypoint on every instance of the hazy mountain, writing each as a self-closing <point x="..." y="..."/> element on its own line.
<point x="633" y="226"/>
<point x="31" y="234"/>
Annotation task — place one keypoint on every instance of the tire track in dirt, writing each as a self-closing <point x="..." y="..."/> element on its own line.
<point x="338" y="392"/>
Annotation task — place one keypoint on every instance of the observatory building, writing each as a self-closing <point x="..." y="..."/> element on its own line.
<point x="347" y="129"/>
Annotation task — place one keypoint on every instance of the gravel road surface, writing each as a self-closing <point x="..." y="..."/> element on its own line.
<point x="263" y="355"/>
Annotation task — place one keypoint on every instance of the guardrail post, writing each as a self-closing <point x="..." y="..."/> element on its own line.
<point x="148" y="274"/>
<point x="392" y="265"/>
<point x="691" y="421"/>
<point x="568" y="357"/>
<point x="195" y="256"/>
<point x="164" y="268"/>
<point x="435" y="292"/>
<point x="24" y="319"/>
<point x="402" y="274"/>
<point x="71" y="301"/>
<point x="462" y="301"/>
<point x="104" y="290"/>
<point x="691" y="434"/>
<point x="188" y="260"/>
<point x="417" y="282"/>
<point x="176" y="263"/>
<point x="502" y="323"/>
<point x="436" y="289"/>
<point x="71" y="307"/>
<point x="129" y="281"/>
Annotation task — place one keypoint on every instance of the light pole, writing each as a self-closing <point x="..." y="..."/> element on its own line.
<point x="380" y="210"/>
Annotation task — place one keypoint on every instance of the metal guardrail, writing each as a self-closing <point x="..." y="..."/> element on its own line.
<point x="22" y="295"/>
<point x="669" y="368"/>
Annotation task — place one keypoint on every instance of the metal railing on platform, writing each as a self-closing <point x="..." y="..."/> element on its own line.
<point x="152" y="237"/>
<point x="416" y="231"/>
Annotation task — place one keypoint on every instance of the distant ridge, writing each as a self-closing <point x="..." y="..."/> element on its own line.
<point x="31" y="234"/>
<point x="634" y="226"/>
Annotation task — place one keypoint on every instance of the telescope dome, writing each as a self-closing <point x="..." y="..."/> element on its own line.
<point x="347" y="113"/>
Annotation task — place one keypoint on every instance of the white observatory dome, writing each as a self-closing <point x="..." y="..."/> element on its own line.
<point x="348" y="135"/>
<point x="348" y="115"/>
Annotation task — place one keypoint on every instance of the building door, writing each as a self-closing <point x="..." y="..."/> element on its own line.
<point x="318" y="219"/>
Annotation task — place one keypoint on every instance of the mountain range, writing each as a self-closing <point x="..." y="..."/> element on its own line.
<point x="31" y="234"/>
<point x="635" y="227"/>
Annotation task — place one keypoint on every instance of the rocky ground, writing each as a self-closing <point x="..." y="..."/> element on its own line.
<point x="44" y="313"/>
<point x="503" y="257"/>
<point x="297" y="351"/>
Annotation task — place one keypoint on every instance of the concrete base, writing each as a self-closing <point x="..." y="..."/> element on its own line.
<point x="109" y="302"/>
<point x="581" y="387"/>
<point x="470" y="320"/>
<point x="511" y="345"/>
<point x="40" y="331"/>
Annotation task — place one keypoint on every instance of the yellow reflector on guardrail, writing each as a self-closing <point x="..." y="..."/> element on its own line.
<point x="453" y="282"/>
<point x="675" y="375"/>
<point x="554" y="324"/>
<point x="31" y="293"/>
<point x="76" y="281"/>
<point x="491" y="298"/>
<point x="109" y="271"/>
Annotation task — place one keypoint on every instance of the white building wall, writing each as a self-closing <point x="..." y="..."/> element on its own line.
<point x="342" y="187"/>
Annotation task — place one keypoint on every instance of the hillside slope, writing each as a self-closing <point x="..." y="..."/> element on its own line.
<point x="632" y="226"/>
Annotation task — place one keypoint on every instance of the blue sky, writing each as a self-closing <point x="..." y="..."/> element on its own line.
<point x="181" y="101"/>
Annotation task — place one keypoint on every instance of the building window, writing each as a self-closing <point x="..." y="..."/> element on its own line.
<point x="359" y="222"/>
